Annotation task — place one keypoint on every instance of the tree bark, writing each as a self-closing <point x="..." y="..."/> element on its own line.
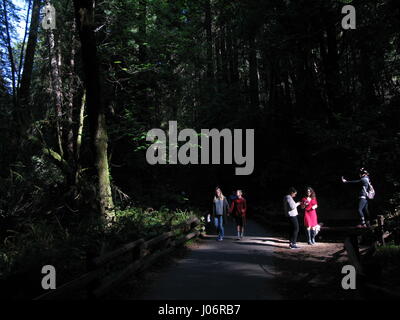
<point x="224" y="57"/>
<point x="10" y="53"/>
<point x="70" y="141"/>
<point x="24" y="89"/>
<point x="253" y="70"/>
<point x="235" y="62"/>
<point x="144" y="101"/>
<point x="23" y="43"/>
<point x="78" y="141"/>
<point x="56" y="84"/>
<point x="84" y="17"/>
<point x="329" y="54"/>
<point x="208" y="27"/>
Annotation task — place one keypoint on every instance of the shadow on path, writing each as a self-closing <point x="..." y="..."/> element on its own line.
<point x="221" y="270"/>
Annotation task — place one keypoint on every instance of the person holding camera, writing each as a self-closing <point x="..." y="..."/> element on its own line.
<point x="290" y="210"/>
<point x="363" y="196"/>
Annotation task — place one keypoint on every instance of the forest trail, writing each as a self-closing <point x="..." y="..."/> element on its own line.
<point x="229" y="269"/>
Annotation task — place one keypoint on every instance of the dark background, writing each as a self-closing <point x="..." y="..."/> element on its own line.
<point x="323" y="102"/>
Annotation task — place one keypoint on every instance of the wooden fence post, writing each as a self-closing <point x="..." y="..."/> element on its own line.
<point x="354" y="242"/>
<point x="381" y="231"/>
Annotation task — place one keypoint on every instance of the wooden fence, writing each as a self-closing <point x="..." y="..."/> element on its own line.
<point x="382" y="228"/>
<point x="103" y="273"/>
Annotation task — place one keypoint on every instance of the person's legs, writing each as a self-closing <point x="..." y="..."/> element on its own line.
<point x="291" y="230"/>
<point x="361" y="206"/>
<point x="366" y="213"/>
<point x="296" y="229"/>
<point x="216" y="223"/>
<point x="309" y="235"/>
<point x="312" y="235"/>
<point x="239" y="224"/>
<point x="221" y="227"/>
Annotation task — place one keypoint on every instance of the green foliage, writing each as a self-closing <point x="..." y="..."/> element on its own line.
<point x="137" y="222"/>
<point x="388" y="257"/>
<point x="38" y="242"/>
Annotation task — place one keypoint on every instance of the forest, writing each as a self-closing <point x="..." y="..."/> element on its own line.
<point x="77" y="102"/>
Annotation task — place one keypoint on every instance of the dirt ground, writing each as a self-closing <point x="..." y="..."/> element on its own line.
<point x="311" y="272"/>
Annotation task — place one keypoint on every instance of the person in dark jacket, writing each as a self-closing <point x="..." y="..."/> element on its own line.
<point x="364" y="183"/>
<point x="239" y="209"/>
<point x="220" y="209"/>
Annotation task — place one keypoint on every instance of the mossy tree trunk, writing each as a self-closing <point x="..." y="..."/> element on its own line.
<point x="84" y="17"/>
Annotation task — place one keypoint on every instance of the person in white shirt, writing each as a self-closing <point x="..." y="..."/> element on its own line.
<point x="290" y="209"/>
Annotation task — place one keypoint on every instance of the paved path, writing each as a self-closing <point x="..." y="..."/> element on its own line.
<point x="215" y="270"/>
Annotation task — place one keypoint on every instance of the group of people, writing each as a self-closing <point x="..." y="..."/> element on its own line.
<point x="309" y="204"/>
<point x="236" y="207"/>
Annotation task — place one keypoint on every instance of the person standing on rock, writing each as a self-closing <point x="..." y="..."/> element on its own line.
<point x="366" y="187"/>
<point x="309" y="204"/>
<point x="220" y="210"/>
<point x="239" y="209"/>
<point x="290" y="209"/>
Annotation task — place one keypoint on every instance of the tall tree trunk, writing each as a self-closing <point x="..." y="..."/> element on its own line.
<point x="366" y="77"/>
<point x="10" y="53"/>
<point x="329" y="54"/>
<point x="235" y="67"/>
<point x="143" y="115"/>
<point x="21" y="59"/>
<point x="253" y="70"/>
<point x="78" y="141"/>
<point x="208" y="27"/>
<point x="84" y="17"/>
<point x="218" y="60"/>
<point x="70" y="143"/>
<point x="224" y="57"/>
<point x="56" y="84"/>
<point x="24" y="89"/>
<point x="229" y="52"/>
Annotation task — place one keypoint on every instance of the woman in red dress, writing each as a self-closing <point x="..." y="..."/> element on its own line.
<point x="309" y="204"/>
<point x="238" y="209"/>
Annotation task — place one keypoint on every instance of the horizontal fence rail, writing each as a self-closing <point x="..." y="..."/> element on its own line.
<point x="101" y="276"/>
<point x="382" y="228"/>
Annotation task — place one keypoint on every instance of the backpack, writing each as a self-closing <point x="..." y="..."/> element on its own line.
<point x="370" y="191"/>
